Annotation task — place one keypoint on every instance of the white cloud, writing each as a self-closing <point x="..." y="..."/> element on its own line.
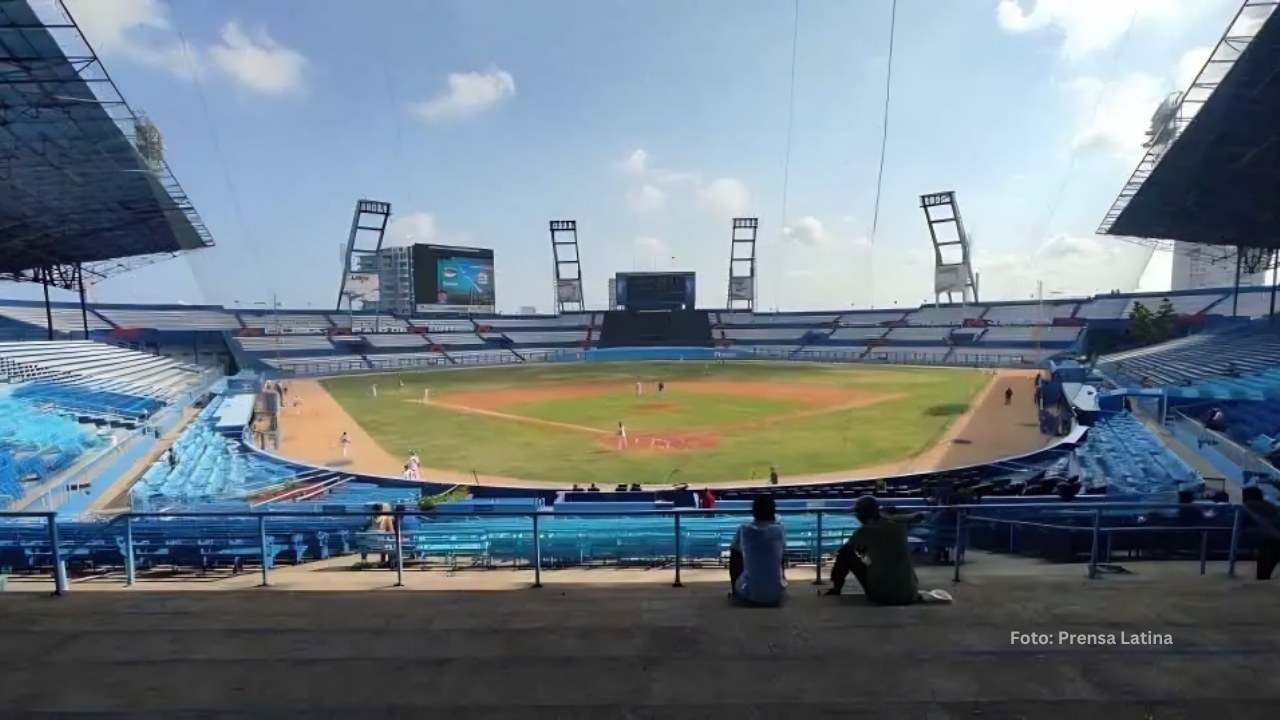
<point x="1116" y="118"/>
<point x="647" y="199"/>
<point x="257" y="62"/>
<point x="1088" y="26"/>
<point x="725" y="197"/>
<point x="140" y="30"/>
<point x="1189" y="66"/>
<point x="636" y="163"/>
<point x="418" y="227"/>
<point x="468" y="94"/>
<point x="807" y="230"/>
<point x="1067" y="265"/>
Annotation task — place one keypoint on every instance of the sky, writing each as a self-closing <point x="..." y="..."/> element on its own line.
<point x="652" y="124"/>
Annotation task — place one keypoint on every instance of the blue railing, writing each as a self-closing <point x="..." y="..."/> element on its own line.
<point x="965" y="515"/>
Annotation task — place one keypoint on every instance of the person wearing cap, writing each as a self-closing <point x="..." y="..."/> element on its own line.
<point x="886" y="575"/>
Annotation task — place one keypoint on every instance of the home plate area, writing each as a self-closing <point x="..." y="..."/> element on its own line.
<point x="660" y="442"/>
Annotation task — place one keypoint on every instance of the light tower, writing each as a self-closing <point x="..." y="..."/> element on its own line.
<point x="953" y="270"/>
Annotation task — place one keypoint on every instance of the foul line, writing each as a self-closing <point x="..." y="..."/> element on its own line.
<point x="519" y="418"/>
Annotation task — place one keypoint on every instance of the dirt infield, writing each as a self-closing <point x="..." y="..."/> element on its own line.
<point x="661" y="442"/>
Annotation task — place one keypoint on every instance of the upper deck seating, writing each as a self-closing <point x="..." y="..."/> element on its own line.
<point x="871" y="317"/>
<point x="65" y="319"/>
<point x="317" y="364"/>
<point x="286" y="323"/>
<point x="1103" y="308"/>
<point x="1028" y="313"/>
<point x="179" y="319"/>
<point x="944" y="315"/>
<point x="100" y="366"/>
<point x="1182" y="304"/>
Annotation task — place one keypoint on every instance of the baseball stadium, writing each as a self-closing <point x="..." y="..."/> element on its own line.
<point x="289" y="510"/>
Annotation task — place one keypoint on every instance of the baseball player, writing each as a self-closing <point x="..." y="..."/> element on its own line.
<point x="639" y="388"/>
<point x="426" y="395"/>
<point x="374" y="389"/>
<point x="413" y="465"/>
<point x="622" y="436"/>
<point x="345" y="442"/>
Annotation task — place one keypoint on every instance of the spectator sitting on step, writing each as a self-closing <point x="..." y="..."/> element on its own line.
<point x="1262" y="527"/>
<point x="757" y="555"/>
<point x="886" y="576"/>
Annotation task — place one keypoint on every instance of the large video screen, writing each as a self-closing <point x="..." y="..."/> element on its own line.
<point x="445" y="275"/>
<point x="464" y="281"/>
<point x="655" y="291"/>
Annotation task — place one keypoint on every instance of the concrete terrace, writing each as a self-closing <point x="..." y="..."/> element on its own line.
<point x="597" y="644"/>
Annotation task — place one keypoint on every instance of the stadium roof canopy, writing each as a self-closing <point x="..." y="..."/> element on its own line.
<point x="74" y="188"/>
<point x="1218" y="181"/>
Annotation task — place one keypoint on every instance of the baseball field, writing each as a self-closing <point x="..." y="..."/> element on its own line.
<point x="711" y="423"/>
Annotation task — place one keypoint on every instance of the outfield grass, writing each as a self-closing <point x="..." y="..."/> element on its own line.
<point x="754" y="432"/>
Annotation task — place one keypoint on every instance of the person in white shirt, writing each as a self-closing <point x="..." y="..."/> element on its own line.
<point x="756" y="557"/>
<point x="414" y="464"/>
<point x="622" y="436"/>
<point x="345" y="442"/>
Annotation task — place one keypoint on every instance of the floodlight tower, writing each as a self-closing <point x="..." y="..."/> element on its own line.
<point x="368" y="227"/>
<point x="568" y="271"/>
<point x="742" y="264"/>
<point x="953" y="270"/>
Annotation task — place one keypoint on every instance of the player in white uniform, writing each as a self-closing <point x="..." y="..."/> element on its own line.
<point x="639" y="388"/>
<point x="374" y="389"/>
<point x="622" y="436"/>
<point x="345" y="442"/>
<point x="414" y="471"/>
<point x="426" y="395"/>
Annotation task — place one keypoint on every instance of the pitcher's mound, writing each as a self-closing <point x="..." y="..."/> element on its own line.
<point x="661" y="442"/>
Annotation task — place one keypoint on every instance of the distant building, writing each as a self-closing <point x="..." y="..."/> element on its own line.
<point x="1206" y="266"/>
<point x="395" y="279"/>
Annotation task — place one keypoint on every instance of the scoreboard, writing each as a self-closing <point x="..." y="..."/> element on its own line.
<point x="655" y="291"/>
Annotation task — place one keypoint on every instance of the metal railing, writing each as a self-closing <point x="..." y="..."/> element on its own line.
<point x="965" y="514"/>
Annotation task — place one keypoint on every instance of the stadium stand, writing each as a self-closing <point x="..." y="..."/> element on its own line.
<point x="169" y="319"/>
<point x="1028" y="313"/>
<point x="1122" y="454"/>
<point x="287" y="323"/>
<point x="89" y="366"/>
<point x="34" y="445"/>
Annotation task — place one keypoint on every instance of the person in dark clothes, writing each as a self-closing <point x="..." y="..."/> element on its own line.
<point x="661" y="386"/>
<point x="1008" y="396"/>
<point x="886" y="576"/>
<point x="1262" y="527"/>
<point x="773" y="475"/>
<point x="173" y="460"/>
